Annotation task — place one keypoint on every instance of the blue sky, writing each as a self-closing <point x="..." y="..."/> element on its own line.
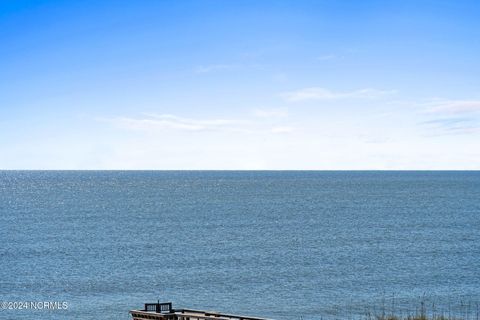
<point x="239" y="84"/>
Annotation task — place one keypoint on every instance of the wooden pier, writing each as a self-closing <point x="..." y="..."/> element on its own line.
<point x="164" y="311"/>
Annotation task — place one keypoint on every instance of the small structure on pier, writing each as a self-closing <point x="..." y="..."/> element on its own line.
<point x="164" y="311"/>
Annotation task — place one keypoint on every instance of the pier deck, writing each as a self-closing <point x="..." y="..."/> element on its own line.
<point x="164" y="311"/>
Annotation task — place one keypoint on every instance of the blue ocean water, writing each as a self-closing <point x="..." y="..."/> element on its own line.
<point x="283" y="245"/>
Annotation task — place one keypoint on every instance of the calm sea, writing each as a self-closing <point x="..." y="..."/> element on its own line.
<point x="285" y="245"/>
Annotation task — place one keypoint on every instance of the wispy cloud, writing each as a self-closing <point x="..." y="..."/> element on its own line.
<point x="319" y="93"/>
<point x="326" y="57"/>
<point x="213" y="68"/>
<point x="452" y="116"/>
<point x="280" y="77"/>
<point x="453" y="125"/>
<point x="168" y="121"/>
<point x="284" y="129"/>
<point x="453" y="106"/>
<point x="270" y="113"/>
<point x="448" y="122"/>
<point x="163" y="122"/>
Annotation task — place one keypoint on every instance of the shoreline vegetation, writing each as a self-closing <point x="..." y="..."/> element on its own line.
<point x="424" y="310"/>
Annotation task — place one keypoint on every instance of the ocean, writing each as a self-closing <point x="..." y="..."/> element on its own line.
<point x="278" y="244"/>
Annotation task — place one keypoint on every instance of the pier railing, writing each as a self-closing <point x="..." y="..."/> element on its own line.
<point x="159" y="307"/>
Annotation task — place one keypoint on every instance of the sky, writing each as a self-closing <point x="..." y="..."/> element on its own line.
<point x="240" y="85"/>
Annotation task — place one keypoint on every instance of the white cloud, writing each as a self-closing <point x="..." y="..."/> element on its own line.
<point x="318" y="93"/>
